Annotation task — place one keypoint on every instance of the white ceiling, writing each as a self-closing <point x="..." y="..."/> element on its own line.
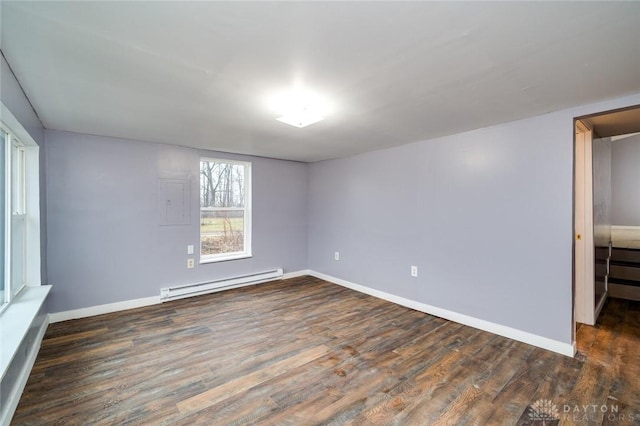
<point x="196" y="73"/>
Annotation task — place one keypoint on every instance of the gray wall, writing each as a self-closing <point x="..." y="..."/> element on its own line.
<point x="487" y="216"/>
<point x="105" y="241"/>
<point x="13" y="98"/>
<point x="625" y="180"/>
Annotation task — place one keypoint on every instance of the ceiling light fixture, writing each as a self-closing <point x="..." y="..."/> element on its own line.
<point x="301" y="118"/>
<point x="298" y="108"/>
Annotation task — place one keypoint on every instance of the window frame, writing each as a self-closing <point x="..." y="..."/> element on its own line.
<point x="14" y="209"/>
<point x="247" y="252"/>
<point x="18" y="211"/>
<point x="6" y="223"/>
<point x="21" y="202"/>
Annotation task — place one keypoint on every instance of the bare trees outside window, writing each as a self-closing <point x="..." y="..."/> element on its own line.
<point x="224" y="209"/>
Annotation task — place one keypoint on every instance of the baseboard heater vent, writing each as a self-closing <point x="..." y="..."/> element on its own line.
<point x="188" y="290"/>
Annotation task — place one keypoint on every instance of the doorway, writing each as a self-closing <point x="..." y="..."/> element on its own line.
<point x="594" y="242"/>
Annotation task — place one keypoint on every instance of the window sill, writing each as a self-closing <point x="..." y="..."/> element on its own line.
<point x="233" y="256"/>
<point x="16" y="320"/>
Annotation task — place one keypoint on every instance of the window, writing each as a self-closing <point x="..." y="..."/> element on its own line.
<point x="13" y="216"/>
<point x="3" y="207"/>
<point x="225" y="210"/>
<point x="18" y="217"/>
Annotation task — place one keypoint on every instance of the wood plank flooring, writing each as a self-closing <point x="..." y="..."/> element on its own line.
<point x="304" y="351"/>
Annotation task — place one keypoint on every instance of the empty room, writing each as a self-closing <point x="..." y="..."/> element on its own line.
<point x="304" y="213"/>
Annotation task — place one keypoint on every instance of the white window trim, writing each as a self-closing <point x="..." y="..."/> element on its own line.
<point x="247" y="252"/>
<point x="8" y="173"/>
<point x="223" y="257"/>
<point x="18" y="207"/>
<point x="31" y="207"/>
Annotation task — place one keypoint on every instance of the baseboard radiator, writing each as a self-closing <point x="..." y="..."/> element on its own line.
<point x="197" y="289"/>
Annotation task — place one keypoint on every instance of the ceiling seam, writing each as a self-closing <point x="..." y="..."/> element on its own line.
<point x="22" y="89"/>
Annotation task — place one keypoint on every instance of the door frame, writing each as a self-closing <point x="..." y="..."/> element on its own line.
<point x="583" y="243"/>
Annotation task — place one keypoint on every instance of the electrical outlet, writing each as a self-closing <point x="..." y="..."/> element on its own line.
<point x="336" y="256"/>
<point x="190" y="263"/>
<point x="414" y="271"/>
<point x="189" y="249"/>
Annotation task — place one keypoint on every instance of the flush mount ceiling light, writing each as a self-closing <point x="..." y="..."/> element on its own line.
<point x="298" y="108"/>
<point x="300" y="118"/>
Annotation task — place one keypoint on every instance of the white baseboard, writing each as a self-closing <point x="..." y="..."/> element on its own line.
<point x="567" y="349"/>
<point x="103" y="309"/>
<point x="131" y="304"/>
<point x="14" y="398"/>
<point x="296" y="274"/>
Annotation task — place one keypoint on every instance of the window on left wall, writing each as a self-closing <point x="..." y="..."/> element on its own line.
<point x="13" y="215"/>
<point x="3" y="208"/>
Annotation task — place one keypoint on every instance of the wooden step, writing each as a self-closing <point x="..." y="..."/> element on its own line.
<point x="626" y="254"/>
<point x="622" y="281"/>
<point x="625" y="272"/>
<point x="624" y="263"/>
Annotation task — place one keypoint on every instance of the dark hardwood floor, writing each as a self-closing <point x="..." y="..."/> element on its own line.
<point x="303" y="351"/>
